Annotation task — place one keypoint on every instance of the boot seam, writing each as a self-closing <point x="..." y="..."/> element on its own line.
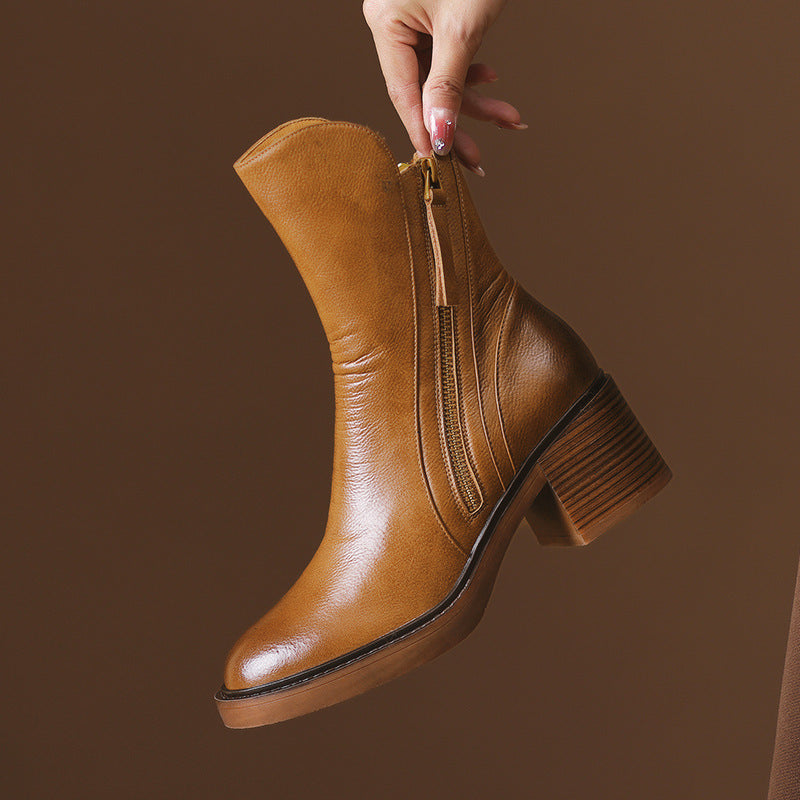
<point x="257" y="156"/>
<point x="500" y="334"/>
<point x="253" y="151"/>
<point x="446" y="456"/>
<point x="468" y="259"/>
<point x="274" y="146"/>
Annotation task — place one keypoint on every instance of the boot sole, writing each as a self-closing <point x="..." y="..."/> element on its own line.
<point x="593" y="469"/>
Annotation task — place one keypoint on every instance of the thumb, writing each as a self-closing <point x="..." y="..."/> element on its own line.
<point x="444" y="87"/>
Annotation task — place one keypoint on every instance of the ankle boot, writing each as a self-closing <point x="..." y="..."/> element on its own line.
<point x="462" y="406"/>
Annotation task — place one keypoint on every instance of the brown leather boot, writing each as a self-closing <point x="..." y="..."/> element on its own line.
<point x="462" y="405"/>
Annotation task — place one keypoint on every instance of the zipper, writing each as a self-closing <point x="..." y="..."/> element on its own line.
<point x="466" y="483"/>
<point x="465" y="479"/>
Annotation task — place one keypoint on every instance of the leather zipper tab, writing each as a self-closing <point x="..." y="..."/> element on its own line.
<point x="430" y="176"/>
<point x="436" y="215"/>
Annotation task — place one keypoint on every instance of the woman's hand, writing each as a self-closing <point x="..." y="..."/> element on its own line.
<point x="425" y="48"/>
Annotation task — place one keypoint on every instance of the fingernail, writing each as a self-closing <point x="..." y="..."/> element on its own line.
<point x="513" y="126"/>
<point x="477" y="169"/>
<point x="442" y="129"/>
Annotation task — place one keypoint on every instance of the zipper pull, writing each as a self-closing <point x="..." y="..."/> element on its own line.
<point x="430" y="175"/>
<point x="431" y="182"/>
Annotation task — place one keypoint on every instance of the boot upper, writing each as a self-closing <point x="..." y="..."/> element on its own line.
<point x="436" y="405"/>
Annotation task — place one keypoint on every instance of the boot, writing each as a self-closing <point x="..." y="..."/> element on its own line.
<point x="462" y="406"/>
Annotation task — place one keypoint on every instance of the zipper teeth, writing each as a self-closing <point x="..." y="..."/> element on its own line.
<point x="466" y="484"/>
<point x="450" y="411"/>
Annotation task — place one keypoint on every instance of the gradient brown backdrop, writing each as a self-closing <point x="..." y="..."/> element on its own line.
<point x="169" y="437"/>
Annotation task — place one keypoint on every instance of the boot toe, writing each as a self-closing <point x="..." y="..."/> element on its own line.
<point x="256" y="660"/>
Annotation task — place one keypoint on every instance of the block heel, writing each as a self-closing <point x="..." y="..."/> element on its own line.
<point x="598" y="471"/>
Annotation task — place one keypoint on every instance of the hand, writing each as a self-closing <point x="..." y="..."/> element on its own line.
<point x="425" y="49"/>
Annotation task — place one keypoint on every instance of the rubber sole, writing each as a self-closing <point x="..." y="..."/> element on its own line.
<point x="594" y="468"/>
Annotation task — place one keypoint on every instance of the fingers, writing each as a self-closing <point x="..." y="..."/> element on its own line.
<point x="409" y="54"/>
<point x="486" y="109"/>
<point x="490" y="109"/>
<point x="400" y="67"/>
<point x="467" y="151"/>
<point x="401" y="70"/>
<point x="480" y="73"/>
<point x="444" y="86"/>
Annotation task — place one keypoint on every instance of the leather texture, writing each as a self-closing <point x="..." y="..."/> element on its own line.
<point x="399" y="530"/>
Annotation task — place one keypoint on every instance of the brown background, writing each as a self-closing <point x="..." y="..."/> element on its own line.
<point x="168" y="443"/>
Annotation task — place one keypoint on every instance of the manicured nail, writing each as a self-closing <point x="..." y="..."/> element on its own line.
<point x="512" y="126"/>
<point x="442" y="129"/>
<point x="477" y="169"/>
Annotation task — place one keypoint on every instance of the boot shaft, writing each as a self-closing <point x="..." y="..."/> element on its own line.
<point x="331" y="191"/>
<point x="434" y="344"/>
<point x="352" y="221"/>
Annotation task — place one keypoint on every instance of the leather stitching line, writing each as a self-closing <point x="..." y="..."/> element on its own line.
<point x="467" y="262"/>
<point x="468" y="259"/>
<point x="497" y="372"/>
<point x="304" y="129"/>
<point x="462" y="418"/>
<point x="437" y="383"/>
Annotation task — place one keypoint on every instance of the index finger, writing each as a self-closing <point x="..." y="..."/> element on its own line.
<point x="400" y="68"/>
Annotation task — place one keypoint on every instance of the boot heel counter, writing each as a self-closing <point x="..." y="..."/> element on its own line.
<point x="542" y="367"/>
